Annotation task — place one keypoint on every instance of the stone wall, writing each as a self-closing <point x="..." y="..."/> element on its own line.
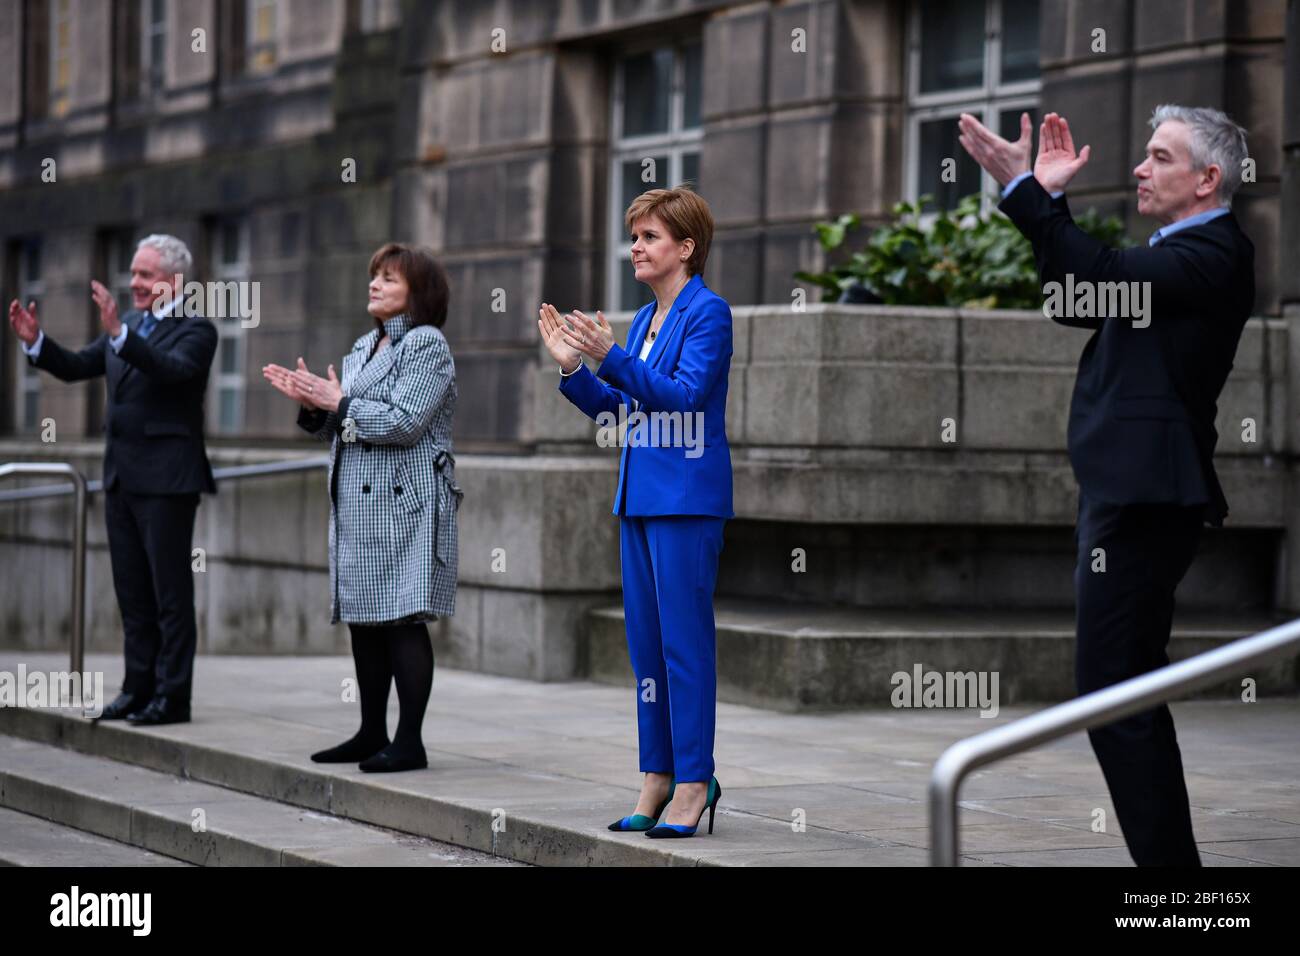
<point x="499" y="160"/>
<point x="835" y="420"/>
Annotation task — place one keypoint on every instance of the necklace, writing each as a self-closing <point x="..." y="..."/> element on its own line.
<point x="650" y="336"/>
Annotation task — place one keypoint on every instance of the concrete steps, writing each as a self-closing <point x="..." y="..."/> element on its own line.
<point x="27" y="840"/>
<point x="803" y="657"/>
<point x="129" y="815"/>
<point x="533" y="772"/>
<point x="274" y="810"/>
<point x="142" y="786"/>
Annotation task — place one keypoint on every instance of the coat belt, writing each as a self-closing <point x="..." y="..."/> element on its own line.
<point x="446" y="487"/>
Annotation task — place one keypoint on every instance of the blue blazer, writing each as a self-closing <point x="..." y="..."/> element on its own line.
<point x="686" y="371"/>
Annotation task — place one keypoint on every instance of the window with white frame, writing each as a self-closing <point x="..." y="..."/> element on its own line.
<point x="655" y="145"/>
<point x="259" y="35"/>
<point x="966" y="56"/>
<point x="153" y="45"/>
<point x="60" y="80"/>
<point x="31" y="288"/>
<point x="229" y="243"/>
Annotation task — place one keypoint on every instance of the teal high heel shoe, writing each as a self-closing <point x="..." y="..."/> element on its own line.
<point x="672" y="831"/>
<point x="639" y="821"/>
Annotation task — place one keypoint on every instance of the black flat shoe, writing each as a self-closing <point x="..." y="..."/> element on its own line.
<point x="350" y="751"/>
<point x="390" y="760"/>
<point x="161" y="710"/>
<point x="123" y="706"/>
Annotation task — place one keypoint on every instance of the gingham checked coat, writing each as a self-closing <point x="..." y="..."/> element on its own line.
<point x="393" y="541"/>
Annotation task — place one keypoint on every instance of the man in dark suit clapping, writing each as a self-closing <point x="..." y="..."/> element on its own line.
<point x="156" y="363"/>
<point x="1141" y="433"/>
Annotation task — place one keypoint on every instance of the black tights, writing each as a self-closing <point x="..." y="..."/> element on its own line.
<point x="385" y="653"/>
<point x="388" y="653"/>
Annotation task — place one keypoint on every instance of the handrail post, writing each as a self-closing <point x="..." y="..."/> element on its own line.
<point x="945" y="782"/>
<point x="77" y="650"/>
<point x="81" y="490"/>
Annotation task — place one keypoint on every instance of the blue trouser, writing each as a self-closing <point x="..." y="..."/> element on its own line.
<point x="670" y="567"/>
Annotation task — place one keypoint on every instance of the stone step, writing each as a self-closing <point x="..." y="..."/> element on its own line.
<point x="544" y="819"/>
<point x="194" y="822"/>
<point x="552" y="763"/>
<point x="560" y="823"/>
<point x="804" y="657"/>
<point x="27" y="840"/>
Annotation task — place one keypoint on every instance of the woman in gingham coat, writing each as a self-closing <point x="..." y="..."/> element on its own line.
<point x="393" y="497"/>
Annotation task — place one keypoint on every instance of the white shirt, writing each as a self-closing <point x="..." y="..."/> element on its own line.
<point x="646" y="346"/>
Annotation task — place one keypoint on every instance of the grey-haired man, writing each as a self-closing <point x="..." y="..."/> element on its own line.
<point x="1141" y="433"/>
<point x="156" y="363"/>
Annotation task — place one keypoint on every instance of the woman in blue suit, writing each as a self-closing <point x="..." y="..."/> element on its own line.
<point x="674" y="492"/>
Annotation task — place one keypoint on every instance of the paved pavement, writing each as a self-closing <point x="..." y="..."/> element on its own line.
<point x="565" y="754"/>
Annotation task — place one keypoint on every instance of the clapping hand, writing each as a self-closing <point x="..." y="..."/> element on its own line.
<point x="1055" y="166"/>
<point x="107" y="308"/>
<point x="24" y="322"/>
<point x="1002" y="160"/>
<point x="553" y="328"/>
<point x="1057" y="162"/>
<point x="303" y="386"/>
<point x="590" y="337"/>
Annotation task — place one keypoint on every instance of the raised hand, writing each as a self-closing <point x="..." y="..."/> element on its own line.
<point x="553" y="327"/>
<point x="1002" y="160"/>
<point x="107" y="308"/>
<point x="24" y="322"/>
<point x="1057" y="163"/>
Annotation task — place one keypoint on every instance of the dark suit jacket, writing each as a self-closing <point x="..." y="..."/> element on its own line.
<point x="1145" y="399"/>
<point x="154" y="421"/>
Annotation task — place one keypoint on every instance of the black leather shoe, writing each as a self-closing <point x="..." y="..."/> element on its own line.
<point x="162" y="710"/>
<point x="123" y="706"/>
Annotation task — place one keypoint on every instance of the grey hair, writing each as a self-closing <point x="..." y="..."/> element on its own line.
<point x="1215" y="141"/>
<point x="175" y="254"/>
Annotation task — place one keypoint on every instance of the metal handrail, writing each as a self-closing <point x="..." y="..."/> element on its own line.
<point x="82" y="489"/>
<point x="78" y="650"/>
<point x="1091" y="710"/>
<point x="220" y="474"/>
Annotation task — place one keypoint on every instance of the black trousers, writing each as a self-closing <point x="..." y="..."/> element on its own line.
<point x="149" y="541"/>
<point x="1124" y="616"/>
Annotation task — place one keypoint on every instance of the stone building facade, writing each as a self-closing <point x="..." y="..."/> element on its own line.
<point x="509" y="134"/>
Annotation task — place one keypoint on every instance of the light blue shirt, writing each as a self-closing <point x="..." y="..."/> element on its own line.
<point x="117" y="341"/>
<point x="1020" y="179"/>
<point x="1164" y="232"/>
